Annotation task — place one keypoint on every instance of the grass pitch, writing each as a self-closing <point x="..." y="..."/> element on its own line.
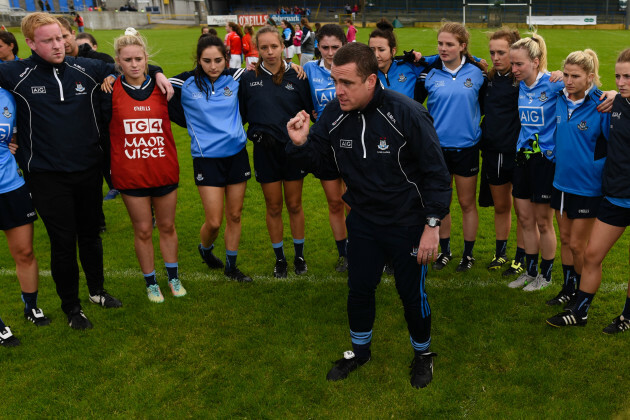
<point x="263" y="350"/>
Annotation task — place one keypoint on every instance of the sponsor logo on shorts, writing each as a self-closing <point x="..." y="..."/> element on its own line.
<point x="6" y="112"/>
<point x="346" y="144"/>
<point x="468" y="83"/>
<point x="475" y="169"/>
<point x="402" y="78"/>
<point x="248" y="173"/>
<point x="582" y="126"/>
<point x="30" y="214"/>
<point x="584" y="211"/>
<point x="545" y="196"/>
<point x="414" y="252"/>
<point x="38" y="89"/>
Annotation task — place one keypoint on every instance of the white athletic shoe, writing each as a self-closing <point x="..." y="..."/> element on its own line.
<point x="538" y="284"/>
<point x="522" y="280"/>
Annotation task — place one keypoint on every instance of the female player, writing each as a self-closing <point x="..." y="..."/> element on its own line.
<point x="17" y="215"/>
<point x="288" y="32"/>
<point x="234" y="43"/>
<point x="613" y="214"/>
<point x="581" y="135"/>
<point x="352" y="31"/>
<point x="8" y="47"/>
<point x="269" y="97"/>
<point x="454" y="85"/>
<point x="144" y="160"/>
<point x="249" y="48"/>
<point x="308" y="42"/>
<point x="206" y="101"/>
<point x="330" y="38"/>
<point x="499" y="132"/>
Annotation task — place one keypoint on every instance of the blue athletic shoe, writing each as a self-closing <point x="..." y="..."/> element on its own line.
<point x="111" y="194"/>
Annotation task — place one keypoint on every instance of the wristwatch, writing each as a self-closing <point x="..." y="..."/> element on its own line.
<point x="433" y="222"/>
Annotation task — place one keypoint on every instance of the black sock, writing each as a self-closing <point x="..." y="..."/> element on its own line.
<point x="468" y="248"/>
<point x="501" y="248"/>
<point x="230" y="259"/>
<point x="279" y="250"/>
<point x="362" y="351"/>
<point x="172" y="270"/>
<point x="582" y="303"/>
<point x="576" y="281"/>
<point x="546" y="266"/>
<point x="532" y="264"/>
<point x="150" y="278"/>
<point x="519" y="257"/>
<point x="341" y="247"/>
<point x="445" y="245"/>
<point x="298" y="246"/>
<point x="30" y="301"/>
<point x="2" y="326"/>
<point x="626" y="309"/>
<point x="567" y="276"/>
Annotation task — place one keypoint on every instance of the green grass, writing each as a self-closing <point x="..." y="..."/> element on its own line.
<point x="262" y="350"/>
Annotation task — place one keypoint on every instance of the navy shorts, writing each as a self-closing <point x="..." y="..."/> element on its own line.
<point x="497" y="168"/>
<point x="220" y="172"/>
<point x="327" y="173"/>
<point x="613" y="215"/>
<point x="271" y="164"/>
<point x="575" y="206"/>
<point x="151" y="192"/>
<point x="16" y="208"/>
<point x="462" y="162"/>
<point x="533" y="179"/>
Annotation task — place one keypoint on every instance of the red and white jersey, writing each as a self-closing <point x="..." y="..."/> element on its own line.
<point x="143" y="153"/>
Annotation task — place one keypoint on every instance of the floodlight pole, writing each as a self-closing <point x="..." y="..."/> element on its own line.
<point x="627" y="16"/>
<point x="363" y="13"/>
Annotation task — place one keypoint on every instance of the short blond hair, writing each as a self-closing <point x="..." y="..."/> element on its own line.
<point x="36" y="20"/>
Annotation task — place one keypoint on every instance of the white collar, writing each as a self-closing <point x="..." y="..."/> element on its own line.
<point x="454" y="72"/>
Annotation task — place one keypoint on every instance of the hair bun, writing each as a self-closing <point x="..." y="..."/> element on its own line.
<point x="131" y="31"/>
<point x="384" y="25"/>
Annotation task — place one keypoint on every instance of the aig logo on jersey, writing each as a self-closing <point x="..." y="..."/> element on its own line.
<point x="5" y="134"/>
<point x="143" y="126"/>
<point x="38" y="89"/>
<point x="323" y="96"/>
<point x="532" y="116"/>
<point x="345" y="144"/>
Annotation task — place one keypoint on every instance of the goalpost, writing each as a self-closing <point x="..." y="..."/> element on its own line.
<point x="466" y="3"/>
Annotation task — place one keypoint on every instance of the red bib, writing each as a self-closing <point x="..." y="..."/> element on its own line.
<point x="142" y="147"/>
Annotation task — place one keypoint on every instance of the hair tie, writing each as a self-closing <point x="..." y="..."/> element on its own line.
<point x="131" y="31"/>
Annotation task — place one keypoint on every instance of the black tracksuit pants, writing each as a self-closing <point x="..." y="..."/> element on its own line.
<point x="368" y="246"/>
<point x="70" y="204"/>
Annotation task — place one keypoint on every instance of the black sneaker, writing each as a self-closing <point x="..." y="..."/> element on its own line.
<point x="422" y="369"/>
<point x="567" y="319"/>
<point x="78" y="320"/>
<point x="344" y="366"/>
<point x="280" y="270"/>
<point x="516" y="268"/>
<point x="497" y="262"/>
<point x="7" y="339"/>
<point x="105" y="299"/>
<point x="571" y="303"/>
<point x="441" y="261"/>
<point x="342" y="264"/>
<point x="236" y="274"/>
<point x="561" y="298"/>
<point x="618" y="325"/>
<point x="37" y="317"/>
<point x="209" y="258"/>
<point x="388" y="269"/>
<point x="465" y="264"/>
<point x="300" y="266"/>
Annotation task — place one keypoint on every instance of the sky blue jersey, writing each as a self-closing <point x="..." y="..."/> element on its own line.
<point x="322" y="85"/>
<point x="10" y="178"/>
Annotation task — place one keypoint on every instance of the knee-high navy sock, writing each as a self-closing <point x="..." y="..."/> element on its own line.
<point x="567" y="276"/>
<point x="341" y="247"/>
<point x="30" y="301"/>
<point x="445" y="245"/>
<point x="361" y="342"/>
<point x="519" y="257"/>
<point x="230" y="259"/>
<point x="2" y="326"/>
<point x="582" y="303"/>
<point x="546" y="266"/>
<point x="298" y="246"/>
<point x="576" y="281"/>
<point x="532" y="264"/>
<point x="500" y="248"/>
<point x="172" y="269"/>
<point x="468" y="248"/>
<point x="278" y="249"/>
<point x="149" y="278"/>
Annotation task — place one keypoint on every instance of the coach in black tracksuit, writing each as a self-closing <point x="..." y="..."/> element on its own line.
<point x="60" y="155"/>
<point x="386" y="149"/>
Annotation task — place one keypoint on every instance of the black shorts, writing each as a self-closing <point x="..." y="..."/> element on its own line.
<point x="16" y="208"/>
<point x="462" y="162"/>
<point x="613" y="215"/>
<point x="497" y="168"/>
<point x="151" y="192"/>
<point x="271" y="164"/>
<point x="575" y="206"/>
<point x="219" y="172"/>
<point x="327" y="173"/>
<point x="533" y="179"/>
